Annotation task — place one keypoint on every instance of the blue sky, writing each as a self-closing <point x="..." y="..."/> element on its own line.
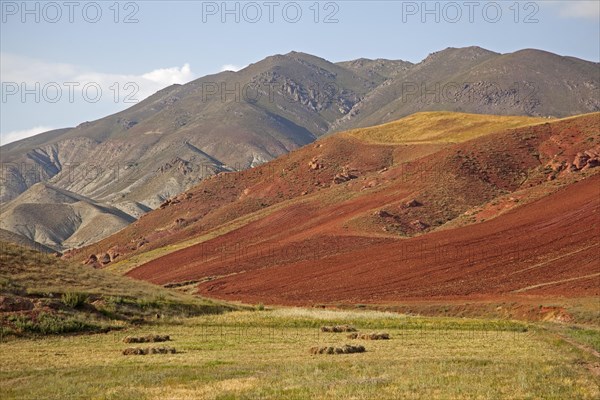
<point x="63" y="47"/>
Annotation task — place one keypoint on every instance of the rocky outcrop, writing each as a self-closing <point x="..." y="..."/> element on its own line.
<point x="413" y="203"/>
<point x="586" y="160"/>
<point x="176" y="200"/>
<point x="383" y="214"/>
<point x="105" y="259"/>
<point x="419" y="225"/>
<point x="581" y="162"/>
<point x="343" y="177"/>
<point x="183" y="167"/>
<point x="91" y="260"/>
<point x="101" y="259"/>
<point x="314" y="164"/>
<point x="113" y="254"/>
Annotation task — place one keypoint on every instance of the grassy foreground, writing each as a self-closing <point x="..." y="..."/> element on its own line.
<point x="265" y="355"/>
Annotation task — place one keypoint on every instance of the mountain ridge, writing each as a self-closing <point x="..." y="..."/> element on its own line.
<point x="138" y="158"/>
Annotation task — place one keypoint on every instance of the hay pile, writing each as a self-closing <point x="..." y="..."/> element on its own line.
<point x="147" y="339"/>
<point x="369" y="336"/>
<point x="338" y="328"/>
<point x="149" y="350"/>
<point x="346" y="349"/>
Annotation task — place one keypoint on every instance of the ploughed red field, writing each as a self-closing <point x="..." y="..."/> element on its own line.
<point x="509" y="214"/>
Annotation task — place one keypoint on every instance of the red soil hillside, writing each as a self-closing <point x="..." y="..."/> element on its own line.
<point x="310" y="170"/>
<point x="336" y="221"/>
<point x="549" y="247"/>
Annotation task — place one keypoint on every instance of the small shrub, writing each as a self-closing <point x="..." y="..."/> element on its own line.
<point x="260" y="307"/>
<point x="4" y="283"/>
<point x="4" y="331"/>
<point x="115" y="300"/>
<point x="73" y="299"/>
<point x="21" y="323"/>
<point x="49" y="324"/>
<point x="147" y="304"/>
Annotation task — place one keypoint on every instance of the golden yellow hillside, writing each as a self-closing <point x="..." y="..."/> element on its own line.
<point x="440" y="127"/>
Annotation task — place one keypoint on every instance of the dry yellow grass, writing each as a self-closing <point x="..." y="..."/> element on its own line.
<point x="264" y="355"/>
<point x="440" y="127"/>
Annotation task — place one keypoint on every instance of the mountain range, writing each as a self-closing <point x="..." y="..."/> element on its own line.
<point x="100" y="176"/>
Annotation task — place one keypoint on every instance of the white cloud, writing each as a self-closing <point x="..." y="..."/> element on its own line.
<point x="577" y="9"/>
<point x="17" y="68"/>
<point x="169" y="76"/>
<point x="13" y="136"/>
<point x="231" y="67"/>
<point x="122" y="90"/>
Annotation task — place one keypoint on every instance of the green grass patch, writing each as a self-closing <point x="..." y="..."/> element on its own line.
<point x="74" y="299"/>
<point x="46" y="324"/>
<point x="589" y="337"/>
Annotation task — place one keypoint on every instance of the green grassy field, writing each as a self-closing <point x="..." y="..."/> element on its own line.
<point x="265" y="355"/>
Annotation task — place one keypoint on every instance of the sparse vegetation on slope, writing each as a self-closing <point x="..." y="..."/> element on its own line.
<point x="41" y="294"/>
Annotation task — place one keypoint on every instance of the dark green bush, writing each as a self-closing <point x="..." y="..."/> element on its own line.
<point x="49" y="324"/>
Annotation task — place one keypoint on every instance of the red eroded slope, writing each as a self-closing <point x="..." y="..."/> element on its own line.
<point x="549" y="247"/>
<point x="552" y="243"/>
<point x="360" y="241"/>
<point x="447" y="179"/>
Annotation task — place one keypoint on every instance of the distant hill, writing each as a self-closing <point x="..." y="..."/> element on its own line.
<point x="526" y="82"/>
<point x="139" y="158"/>
<point x="61" y="219"/>
<point x="15" y="238"/>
